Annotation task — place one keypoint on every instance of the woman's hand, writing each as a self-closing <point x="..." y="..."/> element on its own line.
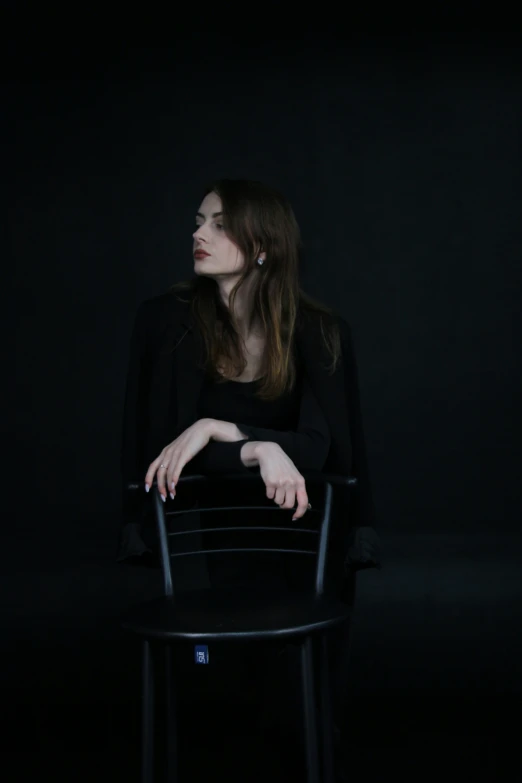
<point x="283" y="481"/>
<point x="175" y="456"/>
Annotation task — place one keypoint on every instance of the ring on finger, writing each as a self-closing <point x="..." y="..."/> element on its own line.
<point x="164" y="466"/>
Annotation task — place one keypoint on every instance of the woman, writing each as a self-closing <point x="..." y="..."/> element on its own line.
<point x="239" y="370"/>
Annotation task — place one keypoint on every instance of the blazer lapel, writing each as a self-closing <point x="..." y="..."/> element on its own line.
<point x="176" y="380"/>
<point x="189" y="375"/>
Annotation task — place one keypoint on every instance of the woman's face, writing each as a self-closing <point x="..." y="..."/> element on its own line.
<point x="224" y="257"/>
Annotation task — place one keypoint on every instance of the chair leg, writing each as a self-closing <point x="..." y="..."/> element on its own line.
<point x="326" y="711"/>
<point x="147" y="715"/>
<point x="310" y="722"/>
<point x="172" y="745"/>
<point x="340" y="643"/>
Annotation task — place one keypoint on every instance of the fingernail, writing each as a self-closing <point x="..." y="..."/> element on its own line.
<point x="171" y="495"/>
<point x="294" y="519"/>
<point x="163" y="498"/>
<point x="172" y="485"/>
<point x="147" y="487"/>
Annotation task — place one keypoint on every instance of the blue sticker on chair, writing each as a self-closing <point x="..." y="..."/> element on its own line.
<point x="201" y="653"/>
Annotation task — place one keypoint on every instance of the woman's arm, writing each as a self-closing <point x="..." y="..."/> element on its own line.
<point x="307" y="447"/>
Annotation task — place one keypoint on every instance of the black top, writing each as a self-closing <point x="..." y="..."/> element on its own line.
<point x="295" y="421"/>
<point x="236" y="401"/>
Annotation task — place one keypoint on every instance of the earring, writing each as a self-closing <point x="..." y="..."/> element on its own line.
<point x="259" y="261"/>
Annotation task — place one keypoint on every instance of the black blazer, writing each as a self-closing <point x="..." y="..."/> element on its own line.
<point x="164" y="378"/>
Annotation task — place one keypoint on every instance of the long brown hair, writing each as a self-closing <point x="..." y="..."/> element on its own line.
<point x="259" y="218"/>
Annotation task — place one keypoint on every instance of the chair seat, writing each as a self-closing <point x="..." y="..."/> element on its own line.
<point x="227" y="614"/>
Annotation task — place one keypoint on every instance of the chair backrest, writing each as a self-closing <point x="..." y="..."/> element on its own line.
<point x="314" y="535"/>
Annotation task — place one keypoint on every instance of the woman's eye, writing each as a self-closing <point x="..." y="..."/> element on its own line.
<point x="219" y="226"/>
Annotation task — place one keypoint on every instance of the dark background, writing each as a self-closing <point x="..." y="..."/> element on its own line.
<point x="400" y="151"/>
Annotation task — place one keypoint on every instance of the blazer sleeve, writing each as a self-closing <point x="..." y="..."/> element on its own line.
<point x="364" y="509"/>
<point x="134" y="411"/>
<point x="307" y="447"/>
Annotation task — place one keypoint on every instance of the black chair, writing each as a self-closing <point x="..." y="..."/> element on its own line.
<point x="232" y="615"/>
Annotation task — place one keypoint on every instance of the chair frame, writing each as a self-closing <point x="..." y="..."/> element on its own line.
<point x="310" y="644"/>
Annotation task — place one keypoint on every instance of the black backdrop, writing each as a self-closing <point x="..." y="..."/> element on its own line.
<point x="401" y="154"/>
<point x="403" y="163"/>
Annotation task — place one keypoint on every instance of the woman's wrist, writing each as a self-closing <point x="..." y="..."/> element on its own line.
<point x="224" y="431"/>
<point x="250" y="452"/>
